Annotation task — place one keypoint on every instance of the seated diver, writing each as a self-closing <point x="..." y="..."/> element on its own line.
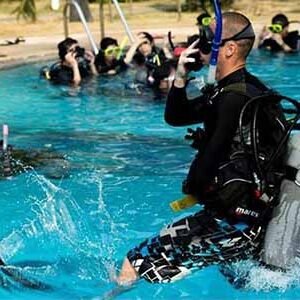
<point x="76" y="63"/>
<point x="222" y="177"/>
<point x="277" y="36"/>
<point x="110" y="59"/>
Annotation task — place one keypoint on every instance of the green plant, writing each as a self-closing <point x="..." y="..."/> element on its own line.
<point x="204" y="5"/>
<point x="26" y="9"/>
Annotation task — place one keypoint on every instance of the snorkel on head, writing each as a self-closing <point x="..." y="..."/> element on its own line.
<point x="210" y="42"/>
<point x="211" y="77"/>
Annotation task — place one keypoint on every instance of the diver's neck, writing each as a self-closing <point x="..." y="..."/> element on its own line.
<point x="224" y="72"/>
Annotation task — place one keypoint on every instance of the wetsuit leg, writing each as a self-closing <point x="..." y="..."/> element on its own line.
<point x="192" y="243"/>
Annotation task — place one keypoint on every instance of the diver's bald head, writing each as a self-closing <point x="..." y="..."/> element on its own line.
<point x="234" y="23"/>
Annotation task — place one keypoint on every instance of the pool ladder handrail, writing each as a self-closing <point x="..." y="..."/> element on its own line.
<point x="83" y="21"/>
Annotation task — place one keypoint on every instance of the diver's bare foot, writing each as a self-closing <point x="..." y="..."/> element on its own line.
<point x="127" y="275"/>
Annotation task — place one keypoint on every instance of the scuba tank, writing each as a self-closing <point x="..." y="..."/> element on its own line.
<point x="282" y="239"/>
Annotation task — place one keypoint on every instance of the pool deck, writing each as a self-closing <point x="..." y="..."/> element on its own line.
<point x="44" y="48"/>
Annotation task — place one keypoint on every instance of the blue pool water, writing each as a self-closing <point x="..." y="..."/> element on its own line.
<point x="125" y="166"/>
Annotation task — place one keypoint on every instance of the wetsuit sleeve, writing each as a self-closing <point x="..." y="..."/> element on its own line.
<point x="180" y="111"/>
<point x="218" y="147"/>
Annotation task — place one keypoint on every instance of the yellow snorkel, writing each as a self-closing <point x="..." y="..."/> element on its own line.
<point x="122" y="46"/>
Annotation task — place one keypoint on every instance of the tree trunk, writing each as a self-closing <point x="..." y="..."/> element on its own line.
<point x="84" y="5"/>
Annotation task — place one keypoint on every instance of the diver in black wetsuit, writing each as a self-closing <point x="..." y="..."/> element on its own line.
<point x="110" y="59"/>
<point x="277" y="36"/>
<point x="76" y="63"/>
<point x="221" y="175"/>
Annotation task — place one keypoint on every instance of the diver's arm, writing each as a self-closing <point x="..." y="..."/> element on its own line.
<point x="89" y="55"/>
<point x="263" y="35"/>
<point x="131" y="51"/>
<point x="179" y="110"/>
<point x="71" y="61"/>
<point x="165" y="48"/>
<point x="279" y="40"/>
<point x="76" y="75"/>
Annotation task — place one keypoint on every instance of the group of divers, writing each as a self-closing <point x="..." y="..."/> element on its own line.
<point x="245" y="173"/>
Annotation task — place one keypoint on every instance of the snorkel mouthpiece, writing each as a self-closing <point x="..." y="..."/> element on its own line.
<point x="211" y="77"/>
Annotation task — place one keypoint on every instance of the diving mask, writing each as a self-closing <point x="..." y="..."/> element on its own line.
<point x="116" y="51"/>
<point x="207" y="36"/>
<point x="206" y="21"/>
<point x="276" y="28"/>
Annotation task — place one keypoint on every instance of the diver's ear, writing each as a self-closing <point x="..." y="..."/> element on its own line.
<point x="231" y="48"/>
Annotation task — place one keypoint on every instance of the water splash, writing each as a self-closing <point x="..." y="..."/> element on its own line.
<point x="250" y="275"/>
<point x="79" y="231"/>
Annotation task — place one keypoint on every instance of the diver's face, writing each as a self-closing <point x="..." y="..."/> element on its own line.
<point x="110" y="53"/>
<point x="72" y="48"/>
<point x="145" y="48"/>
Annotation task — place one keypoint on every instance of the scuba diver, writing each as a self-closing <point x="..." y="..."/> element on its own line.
<point x="154" y="66"/>
<point x="203" y="20"/>
<point x="234" y="173"/>
<point x="277" y="36"/>
<point x="110" y="58"/>
<point x="76" y="63"/>
<point x="146" y="57"/>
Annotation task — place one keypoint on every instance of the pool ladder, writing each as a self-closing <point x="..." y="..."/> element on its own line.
<point x="83" y="21"/>
<point x="85" y="25"/>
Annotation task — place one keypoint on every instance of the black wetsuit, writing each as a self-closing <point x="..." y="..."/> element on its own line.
<point x="292" y="40"/>
<point x="210" y="236"/>
<point x="219" y="113"/>
<point x="61" y="74"/>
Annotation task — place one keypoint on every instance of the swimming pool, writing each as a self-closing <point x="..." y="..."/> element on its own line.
<point x="126" y="165"/>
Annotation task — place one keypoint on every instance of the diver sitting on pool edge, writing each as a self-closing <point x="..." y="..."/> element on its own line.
<point x="223" y="231"/>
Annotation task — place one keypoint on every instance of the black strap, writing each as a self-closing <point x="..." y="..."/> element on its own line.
<point x="290" y="173"/>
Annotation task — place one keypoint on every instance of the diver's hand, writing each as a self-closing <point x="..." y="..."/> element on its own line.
<point x="265" y="34"/>
<point x="71" y="60"/>
<point x="277" y="37"/>
<point x="182" y="71"/>
<point x="141" y="39"/>
<point x="89" y="55"/>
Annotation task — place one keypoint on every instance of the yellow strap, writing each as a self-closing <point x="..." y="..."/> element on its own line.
<point x="47" y="75"/>
<point x="122" y="46"/>
<point x="183" y="203"/>
<point x="156" y="60"/>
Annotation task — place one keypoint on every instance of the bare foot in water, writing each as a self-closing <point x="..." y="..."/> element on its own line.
<point x="128" y="275"/>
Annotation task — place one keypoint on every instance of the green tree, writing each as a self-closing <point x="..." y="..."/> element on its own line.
<point x="27" y="10"/>
<point x="204" y="5"/>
